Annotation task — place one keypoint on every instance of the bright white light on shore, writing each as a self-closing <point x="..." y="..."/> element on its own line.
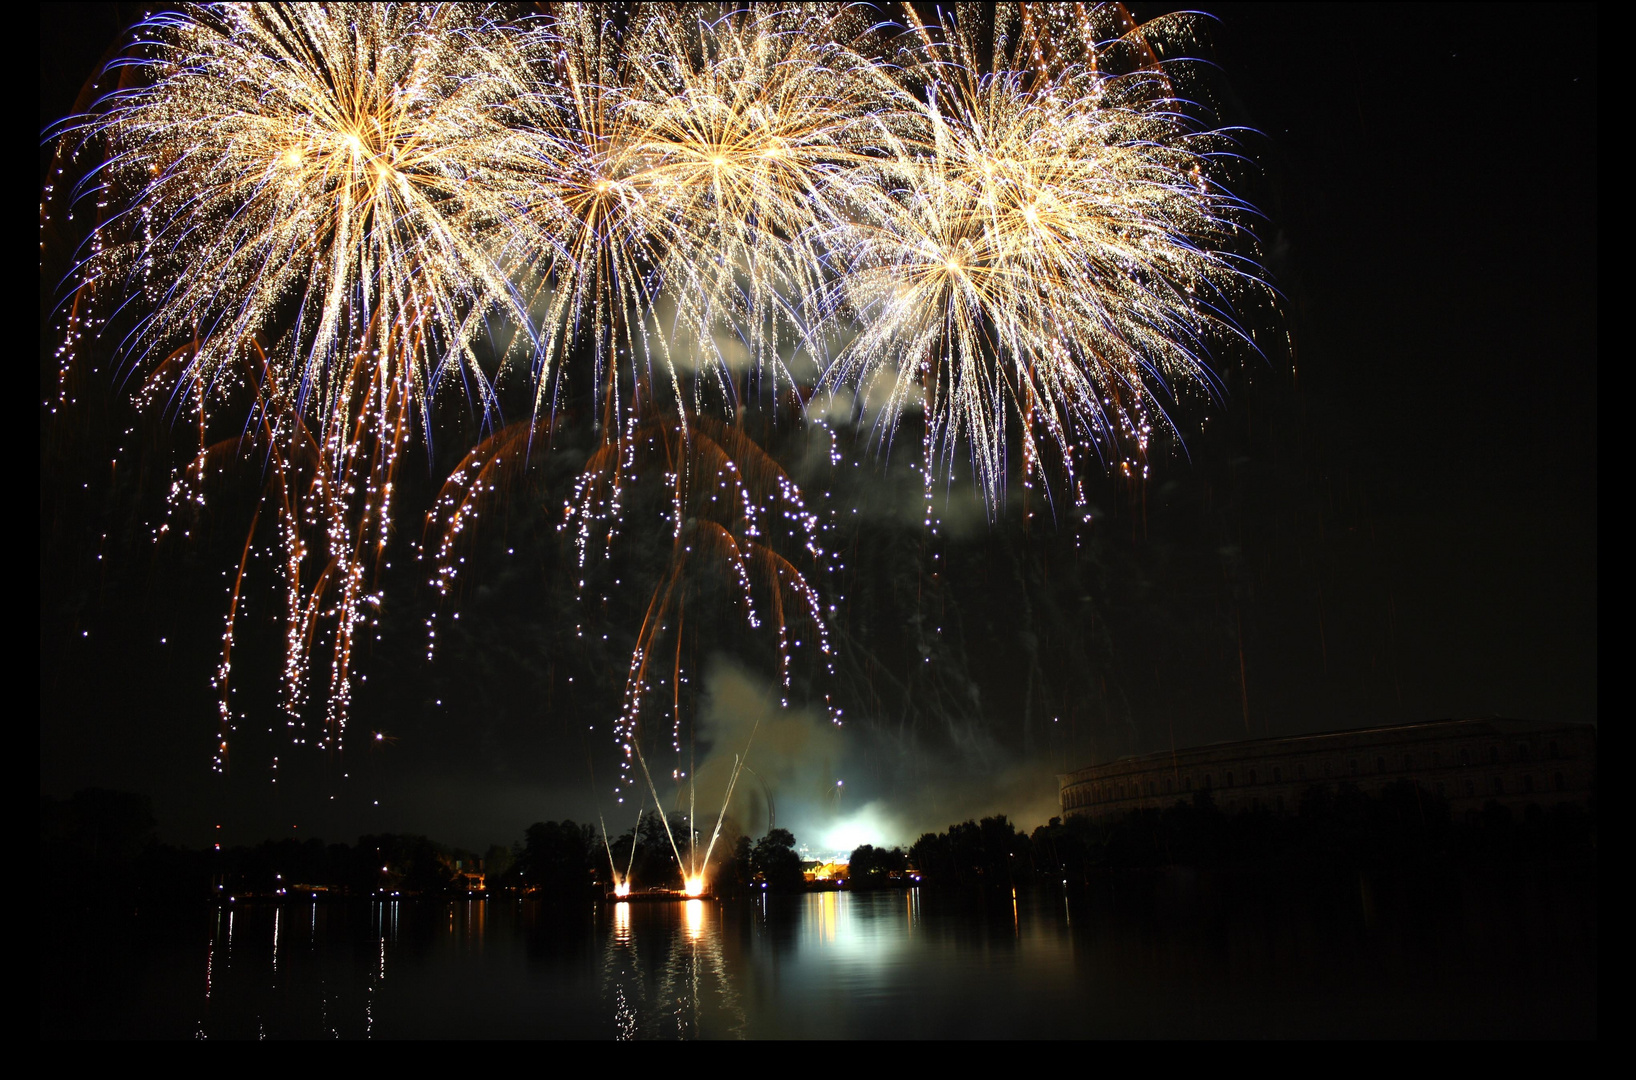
<point x="865" y="826"/>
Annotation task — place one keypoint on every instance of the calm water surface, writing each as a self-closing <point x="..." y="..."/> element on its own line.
<point x="827" y="965"/>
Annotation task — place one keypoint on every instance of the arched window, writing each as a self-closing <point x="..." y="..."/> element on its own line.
<point x="1229" y="779"/>
<point x="1167" y="787"/>
<point x="1206" y="781"/>
<point x="1252" y="776"/>
<point x="1524" y="751"/>
<point x="1471" y="788"/>
<point x="1465" y="755"/>
<point x="1499" y="786"/>
<point x="1493" y="755"/>
<point x="1277" y="775"/>
<point x="1352" y="766"/>
<point x="1301" y="771"/>
<point x="1440" y="792"/>
<point x="1553" y="749"/>
<point x="1437" y="759"/>
<point x="1561" y="784"/>
<point x="1280" y="804"/>
<point x="1528" y="783"/>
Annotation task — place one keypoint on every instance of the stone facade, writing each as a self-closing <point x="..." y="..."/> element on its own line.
<point x="1468" y="762"/>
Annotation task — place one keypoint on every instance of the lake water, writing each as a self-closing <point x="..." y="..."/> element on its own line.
<point x="824" y="965"/>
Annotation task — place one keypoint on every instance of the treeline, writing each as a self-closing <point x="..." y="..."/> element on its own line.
<point x="1334" y="829"/>
<point x="871" y="867"/>
<point x="100" y="845"/>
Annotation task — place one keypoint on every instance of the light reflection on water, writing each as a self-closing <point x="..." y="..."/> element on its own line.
<point x="825" y="965"/>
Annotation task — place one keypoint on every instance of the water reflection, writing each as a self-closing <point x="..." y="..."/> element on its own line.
<point x="845" y="965"/>
<point x="694" y="911"/>
<point x="666" y="973"/>
<point x="619" y="965"/>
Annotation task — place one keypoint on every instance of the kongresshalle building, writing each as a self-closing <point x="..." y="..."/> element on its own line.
<point x="1467" y="762"/>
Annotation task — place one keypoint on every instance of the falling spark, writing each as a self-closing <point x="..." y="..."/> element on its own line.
<point x="307" y="208"/>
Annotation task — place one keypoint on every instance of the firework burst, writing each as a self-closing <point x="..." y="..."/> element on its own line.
<point x="1047" y="245"/>
<point x="314" y="203"/>
<point x="687" y="165"/>
<point x="1010" y="222"/>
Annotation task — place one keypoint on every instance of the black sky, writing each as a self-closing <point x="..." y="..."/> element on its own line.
<point x="1396" y="524"/>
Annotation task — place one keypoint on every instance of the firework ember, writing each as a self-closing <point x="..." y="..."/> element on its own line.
<point x="307" y="209"/>
<point x="1010" y="222"/>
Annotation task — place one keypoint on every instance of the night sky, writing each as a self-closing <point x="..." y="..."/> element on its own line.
<point x="1397" y="523"/>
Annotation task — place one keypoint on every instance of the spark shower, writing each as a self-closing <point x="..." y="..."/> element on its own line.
<point x="304" y="226"/>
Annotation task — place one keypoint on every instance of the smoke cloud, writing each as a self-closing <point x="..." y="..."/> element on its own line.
<point x="836" y="787"/>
